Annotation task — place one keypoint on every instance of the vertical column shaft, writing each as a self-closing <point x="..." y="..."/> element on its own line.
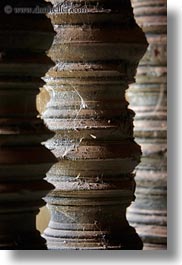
<point x="24" y="39"/>
<point x="96" y="51"/>
<point x="148" y="98"/>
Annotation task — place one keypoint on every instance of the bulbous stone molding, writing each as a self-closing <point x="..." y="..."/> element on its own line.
<point x="24" y="39"/>
<point x="96" y="50"/>
<point x="148" y="98"/>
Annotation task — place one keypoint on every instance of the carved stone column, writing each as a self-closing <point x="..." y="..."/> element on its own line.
<point x="96" y="51"/>
<point x="24" y="39"/>
<point x="148" y="98"/>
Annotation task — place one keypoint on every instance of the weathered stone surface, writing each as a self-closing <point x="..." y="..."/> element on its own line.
<point x="148" y="97"/>
<point x="96" y="54"/>
<point x="24" y="162"/>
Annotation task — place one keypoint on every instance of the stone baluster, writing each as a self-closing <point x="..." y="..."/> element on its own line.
<point x="148" y="99"/>
<point x="24" y="39"/>
<point x="96" y="50"/>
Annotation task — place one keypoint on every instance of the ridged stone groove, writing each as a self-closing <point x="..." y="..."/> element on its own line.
<point x="24" y="39"/>
<point x="96" y="50"/>
<point x="148" y="98"/>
